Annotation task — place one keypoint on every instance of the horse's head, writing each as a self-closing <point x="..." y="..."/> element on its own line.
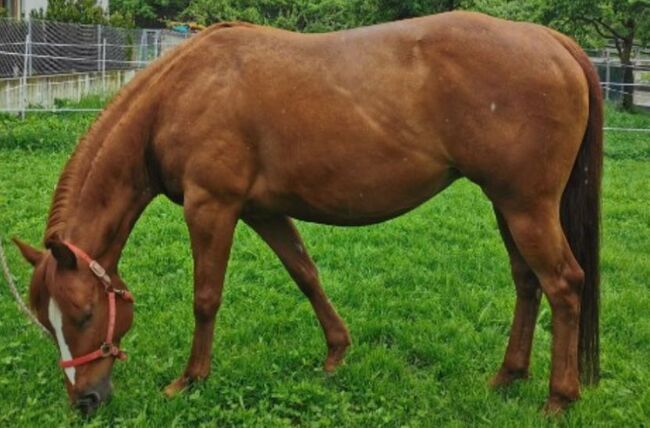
<point x="87" y="315"/>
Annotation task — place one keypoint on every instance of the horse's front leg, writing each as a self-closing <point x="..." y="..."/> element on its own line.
<point x="211" y="224"/>
<point x="282" y="236"/>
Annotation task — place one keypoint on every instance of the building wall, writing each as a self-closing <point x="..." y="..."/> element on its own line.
<point x="28" y="5"/>
<point x="22" y="8"/>
<point x="12" y="7"/>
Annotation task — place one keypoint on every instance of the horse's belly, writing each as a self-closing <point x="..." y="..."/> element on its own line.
<point x="354" y="196"/>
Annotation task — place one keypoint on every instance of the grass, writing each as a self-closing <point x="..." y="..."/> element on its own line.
<point x="427" y="297"/>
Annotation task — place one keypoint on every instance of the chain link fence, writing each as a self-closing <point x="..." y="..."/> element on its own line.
<point x="76" y="60"/>
<point x="610" y="71"/>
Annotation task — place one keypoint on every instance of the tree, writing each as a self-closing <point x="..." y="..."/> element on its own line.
<point x="78" y="11"/>
<point x="81" y="12"/>
<point x="625" y="22"/>
<point x="313" y="15"/>
<point x="515" y="10"/>
<point x="298" y="15"/>
<point x="390" y="10"/>
<point x="152" y="13"/>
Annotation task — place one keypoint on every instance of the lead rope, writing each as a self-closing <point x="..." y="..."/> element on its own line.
<point x="16" y="294"/>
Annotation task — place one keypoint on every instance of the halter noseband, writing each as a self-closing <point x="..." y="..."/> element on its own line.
<point x="108" y="348"/>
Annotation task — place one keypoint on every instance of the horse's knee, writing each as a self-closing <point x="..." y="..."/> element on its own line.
<point x="206" y="304"/>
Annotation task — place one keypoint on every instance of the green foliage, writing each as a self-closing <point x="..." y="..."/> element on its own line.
<point x="43" y="132"/>
<point x="627" y="145"/>
<point x="150" y="13"/>
<point x="79" y="11"/>
<point x="516" y="10"/>
<point x="599" y="20"/>
<point x="390" y="10"/>
<point x="302" y="15"/>
<point x="82" y="12"/>
<point x="587" y="20"/>
<point x="313" y="15"/>
<point x="427" y="297"/>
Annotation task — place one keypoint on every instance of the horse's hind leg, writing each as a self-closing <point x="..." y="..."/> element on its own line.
<point x="517" y="357"/>
<point x="538" y="234"/>
<point x="283" y="238"/>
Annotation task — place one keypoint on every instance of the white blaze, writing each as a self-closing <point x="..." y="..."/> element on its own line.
<point x="54" y="312"/>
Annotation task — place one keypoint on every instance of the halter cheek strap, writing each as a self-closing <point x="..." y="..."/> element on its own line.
<point x="108" y="348"/>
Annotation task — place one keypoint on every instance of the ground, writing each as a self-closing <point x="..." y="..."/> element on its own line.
<point x="427" y="297"/>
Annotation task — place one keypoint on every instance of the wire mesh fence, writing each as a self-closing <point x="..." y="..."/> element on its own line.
<point x="37" y="54"/>
<point x="37" y="47"/>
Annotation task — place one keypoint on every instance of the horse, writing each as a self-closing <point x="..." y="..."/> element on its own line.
<point x="348" y="128"/>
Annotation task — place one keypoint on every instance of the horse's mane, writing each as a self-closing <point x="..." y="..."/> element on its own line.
<point x="79" y="165"/>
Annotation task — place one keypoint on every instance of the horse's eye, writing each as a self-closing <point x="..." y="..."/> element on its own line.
<point x="84" y="320"/>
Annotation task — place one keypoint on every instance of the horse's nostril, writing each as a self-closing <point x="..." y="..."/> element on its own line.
<point x="88" y="402"/>
<point x="92" y="398"/>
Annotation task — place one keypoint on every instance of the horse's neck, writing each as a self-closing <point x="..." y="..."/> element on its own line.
<point x="113" y="192"/>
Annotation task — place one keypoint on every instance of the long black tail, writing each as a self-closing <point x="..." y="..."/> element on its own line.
<point x="580" y="213"/>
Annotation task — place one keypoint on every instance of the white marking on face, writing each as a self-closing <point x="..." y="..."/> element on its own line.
<point x="493" y="106"/>
<point x="54" y="313"/>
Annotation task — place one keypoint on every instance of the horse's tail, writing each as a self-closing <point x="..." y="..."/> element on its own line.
<point x="580" y="214"/>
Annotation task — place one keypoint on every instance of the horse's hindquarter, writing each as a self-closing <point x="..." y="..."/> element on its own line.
<point x="359" y="126"/>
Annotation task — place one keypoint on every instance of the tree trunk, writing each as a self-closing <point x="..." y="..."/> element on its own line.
<point x="628" y="74"/>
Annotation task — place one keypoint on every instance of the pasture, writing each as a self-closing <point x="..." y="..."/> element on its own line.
<point x="428" y="300"/>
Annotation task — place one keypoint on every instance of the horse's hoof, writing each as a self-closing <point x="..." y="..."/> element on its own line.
<point x="334" y="358"/>
<point x="506" y="377"/>
<point x="555" y="406"/>
<point x="177" y="386"/>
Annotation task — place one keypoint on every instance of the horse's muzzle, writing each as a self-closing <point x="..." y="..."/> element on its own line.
<point x="90" y="399"/>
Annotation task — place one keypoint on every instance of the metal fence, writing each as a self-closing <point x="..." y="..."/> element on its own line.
<point x="36" y="54"/>
<point x="610" y="71"/>
<point x="36" y="47"/>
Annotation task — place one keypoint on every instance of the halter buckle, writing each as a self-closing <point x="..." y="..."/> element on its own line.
<point x="100" y="272"/>
<point x="108" y="349"/>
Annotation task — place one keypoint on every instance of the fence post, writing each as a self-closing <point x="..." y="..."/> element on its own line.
<point x="23" y="86"/>
<point x="608" y="74"/>
<point x="104" y="67"/>
<point x="99" y="48"/>
<point x="29" y="32"/>
<point x="141" y="48"/>
<point x="156" y="42"/>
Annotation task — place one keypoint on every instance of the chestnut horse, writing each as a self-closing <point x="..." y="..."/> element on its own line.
<point x="346" y="128"/>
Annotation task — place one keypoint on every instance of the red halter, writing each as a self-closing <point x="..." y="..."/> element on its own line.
<point x="107" y="349"/>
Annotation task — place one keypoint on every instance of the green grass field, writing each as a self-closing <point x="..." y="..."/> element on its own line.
<point x="428" y="300"/>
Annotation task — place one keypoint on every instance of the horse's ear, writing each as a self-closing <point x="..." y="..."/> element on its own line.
<point x="31" y="254"/>
<point x="62" y="253"/>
